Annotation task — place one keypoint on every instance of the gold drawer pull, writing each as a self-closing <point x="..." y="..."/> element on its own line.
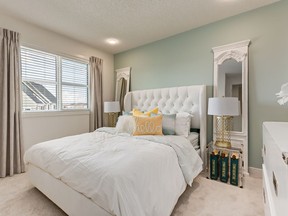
<point x="275" y="184"/>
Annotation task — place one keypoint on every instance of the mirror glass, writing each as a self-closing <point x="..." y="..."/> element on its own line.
<point x="230" y="85"/>
<point x="122" y="85"/>
<point x="121" y="90"/>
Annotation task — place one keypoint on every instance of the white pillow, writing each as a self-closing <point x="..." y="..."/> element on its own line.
<point x="125" y="124"/>
<point x="183" y="122"/>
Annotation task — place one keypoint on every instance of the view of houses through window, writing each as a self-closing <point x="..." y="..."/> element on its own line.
<point x="52" y="82"/>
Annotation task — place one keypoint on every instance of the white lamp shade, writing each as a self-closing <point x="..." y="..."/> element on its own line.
<point x="220" y="106"/>
<point x="111" y="107"/>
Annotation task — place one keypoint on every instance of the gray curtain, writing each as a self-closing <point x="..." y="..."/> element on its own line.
<point x="96" y="93"/>
<point x="11" y="142"/>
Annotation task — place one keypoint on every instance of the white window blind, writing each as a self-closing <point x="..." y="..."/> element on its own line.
<point x="74" y="84"/>
<point x="51" y="82"/>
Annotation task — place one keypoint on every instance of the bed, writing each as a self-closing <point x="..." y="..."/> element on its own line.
<point x="142" y="175"/>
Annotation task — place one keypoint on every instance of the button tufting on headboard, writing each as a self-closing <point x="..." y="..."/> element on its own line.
<point x="177" y="99"/>
<point x="191" y="99"/>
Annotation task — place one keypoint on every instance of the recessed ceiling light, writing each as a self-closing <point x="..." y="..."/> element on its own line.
<point x="112" y="41"/>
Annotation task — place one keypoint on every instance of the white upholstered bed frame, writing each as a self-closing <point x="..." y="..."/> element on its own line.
<point x="190" y="99"/>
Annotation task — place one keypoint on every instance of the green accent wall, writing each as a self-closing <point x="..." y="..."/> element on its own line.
<point x="187" y="59"/>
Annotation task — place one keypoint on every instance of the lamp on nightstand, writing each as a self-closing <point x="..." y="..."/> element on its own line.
<point x="112" y="108"/>
<point x="224" y="108"/>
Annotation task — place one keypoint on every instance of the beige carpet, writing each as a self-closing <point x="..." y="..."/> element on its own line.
<point x="205" y="198"/>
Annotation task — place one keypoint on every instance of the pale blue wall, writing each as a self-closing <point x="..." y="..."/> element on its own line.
<point x="186" y="59"/>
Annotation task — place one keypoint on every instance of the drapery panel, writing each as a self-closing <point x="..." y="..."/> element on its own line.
<point x="96" y="93"/>
<point x="11" y="142"/>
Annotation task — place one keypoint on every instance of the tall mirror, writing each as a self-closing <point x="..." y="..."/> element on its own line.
<point x="231" y="80"/>
<point x="122" y="85"/>
<point x="230" y="85"/>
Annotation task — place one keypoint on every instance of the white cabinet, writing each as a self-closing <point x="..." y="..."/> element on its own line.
<point x="275" y="168"/>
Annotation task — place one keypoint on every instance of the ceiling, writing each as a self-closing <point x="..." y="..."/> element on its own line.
<point x="132" y="22"/>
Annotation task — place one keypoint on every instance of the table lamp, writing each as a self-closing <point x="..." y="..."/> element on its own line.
<point x="112" y="108"/>
<point x="224" y="108"/>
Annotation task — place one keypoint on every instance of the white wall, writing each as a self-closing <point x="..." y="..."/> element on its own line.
<point x="38" y="128"/>
<point x="42" y="127"/>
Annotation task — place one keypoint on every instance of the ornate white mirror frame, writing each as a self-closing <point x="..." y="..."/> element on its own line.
<point x="122" y="85"/>
<point x="239" y="52"/>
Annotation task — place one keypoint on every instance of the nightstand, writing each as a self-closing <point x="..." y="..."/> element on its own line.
<point x="231" y="162"/>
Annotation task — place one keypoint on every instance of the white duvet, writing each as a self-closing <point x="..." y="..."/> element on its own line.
<point x="125" y="175"/>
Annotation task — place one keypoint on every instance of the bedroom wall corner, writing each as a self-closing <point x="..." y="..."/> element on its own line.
<point x="38" y="128"/>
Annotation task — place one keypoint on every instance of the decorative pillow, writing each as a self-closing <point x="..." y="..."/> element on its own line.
<point x="168" y="123"/>
<point x="154" y="111"/>
<point x="137" y="112"/>
<point x="125" y="124"/>
<point x="148" y="125"/>
<point x="183" y="122"/>
<point x="127" y="113"/>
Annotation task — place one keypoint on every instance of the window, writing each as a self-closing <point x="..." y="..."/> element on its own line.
<point x="51" y="82"/>
<point x="74" y="84"/>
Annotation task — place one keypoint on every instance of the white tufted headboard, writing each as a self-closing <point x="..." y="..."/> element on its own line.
<point x="191" y="99"/>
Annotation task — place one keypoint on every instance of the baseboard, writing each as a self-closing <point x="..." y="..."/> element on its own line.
<point x="255" y="172"/>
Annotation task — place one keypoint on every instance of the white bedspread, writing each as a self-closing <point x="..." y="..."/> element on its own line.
<point x="126" y="176"/>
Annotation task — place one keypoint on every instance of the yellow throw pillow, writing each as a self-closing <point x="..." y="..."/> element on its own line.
<point x="137" y="112"/>
<point x="154" y="111"/>
<point x="148" y="125"/>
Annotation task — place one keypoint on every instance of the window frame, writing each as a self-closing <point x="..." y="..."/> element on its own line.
<point x="59" y="110"/>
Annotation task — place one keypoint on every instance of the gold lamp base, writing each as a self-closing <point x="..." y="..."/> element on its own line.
<point x="223" y="128"/>
<point x="112" y="117"/>
<point x="223" y="144"/>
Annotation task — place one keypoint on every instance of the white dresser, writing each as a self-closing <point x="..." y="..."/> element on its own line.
<point x="275" y="168"/>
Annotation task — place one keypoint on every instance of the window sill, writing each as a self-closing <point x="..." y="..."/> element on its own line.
<point x="55" y="113"/>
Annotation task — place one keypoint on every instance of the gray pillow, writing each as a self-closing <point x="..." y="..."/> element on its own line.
<point x="168" y="123"/>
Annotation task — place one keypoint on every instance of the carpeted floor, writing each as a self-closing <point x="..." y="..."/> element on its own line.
<point x="205" y="198"/>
